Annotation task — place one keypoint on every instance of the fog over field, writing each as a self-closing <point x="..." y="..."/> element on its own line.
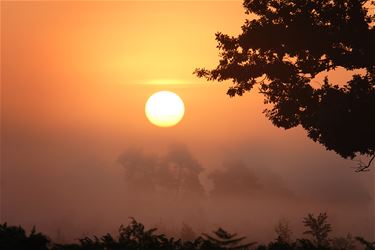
<point x="69" y="186"/>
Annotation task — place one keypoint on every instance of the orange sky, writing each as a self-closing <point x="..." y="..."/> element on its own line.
<point x="87" y="69"/>
<point x="96" y="64"/>
<point x="93" y="65"/>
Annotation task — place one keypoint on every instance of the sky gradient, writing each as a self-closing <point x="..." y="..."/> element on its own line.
<point x="75" y="77"/>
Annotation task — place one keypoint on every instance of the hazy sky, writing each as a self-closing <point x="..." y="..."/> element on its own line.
<point x="75" y="77"/>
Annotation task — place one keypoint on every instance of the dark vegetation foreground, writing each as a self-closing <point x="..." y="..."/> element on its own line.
<point x="136" y="237"/>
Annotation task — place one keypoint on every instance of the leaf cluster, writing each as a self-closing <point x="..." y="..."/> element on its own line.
<point x="285" y="47"/>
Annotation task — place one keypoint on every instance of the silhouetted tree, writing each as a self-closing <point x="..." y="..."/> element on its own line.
<point x="318" y="228"/>
<point x="187" y="170"/>
<point x="139" y="169"/>
<point x="178" y="171"/>
<point x="12" y="238"/>
<point x="285" y="46"/>
<point x="283" y="231"/>
<point x="224" y="240"/>
<point x="234" y="179"/>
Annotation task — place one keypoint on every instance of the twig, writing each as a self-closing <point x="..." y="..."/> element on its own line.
<point x="364" y="167"/>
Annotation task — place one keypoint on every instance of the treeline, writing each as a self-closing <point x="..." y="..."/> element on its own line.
<point x="136" y="237"/>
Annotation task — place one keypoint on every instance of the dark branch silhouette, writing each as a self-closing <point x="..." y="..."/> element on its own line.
<point x="362" y="167"/>
<point x="285" y="47"/>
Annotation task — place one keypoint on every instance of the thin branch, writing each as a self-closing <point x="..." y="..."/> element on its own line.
<point x="364" y="167"/>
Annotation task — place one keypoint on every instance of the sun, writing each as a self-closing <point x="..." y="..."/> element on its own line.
<point x="164" y="109"/>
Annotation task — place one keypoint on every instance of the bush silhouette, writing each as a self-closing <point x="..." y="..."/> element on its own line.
<point x="136" y="237"/>
<point x="12" y="238"/>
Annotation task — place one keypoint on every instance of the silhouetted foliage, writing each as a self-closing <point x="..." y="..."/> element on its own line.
<point x="224" y="240"/>
<point x="343" y="243"/>
<point x="136" y="237"/>
<point x="280" y="246"/>
<point x="305" y="244"/>
<point x="368" y="245"/>
<point x="285" y="47"/>
<point x="283" y="232"/>
<point x="318" y="228"/>
<point x="15" y="238"/>
<point x="132" y="237"/>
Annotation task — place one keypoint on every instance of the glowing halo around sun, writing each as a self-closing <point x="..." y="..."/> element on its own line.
<point x="164" y="109"/>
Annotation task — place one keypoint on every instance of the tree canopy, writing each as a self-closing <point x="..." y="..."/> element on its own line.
<point x="285" y="47"/>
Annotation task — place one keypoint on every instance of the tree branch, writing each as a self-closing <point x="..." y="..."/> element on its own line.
<point x="364" y="167"/>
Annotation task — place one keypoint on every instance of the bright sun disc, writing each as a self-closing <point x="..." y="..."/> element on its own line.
<point x="164" y="109"/>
